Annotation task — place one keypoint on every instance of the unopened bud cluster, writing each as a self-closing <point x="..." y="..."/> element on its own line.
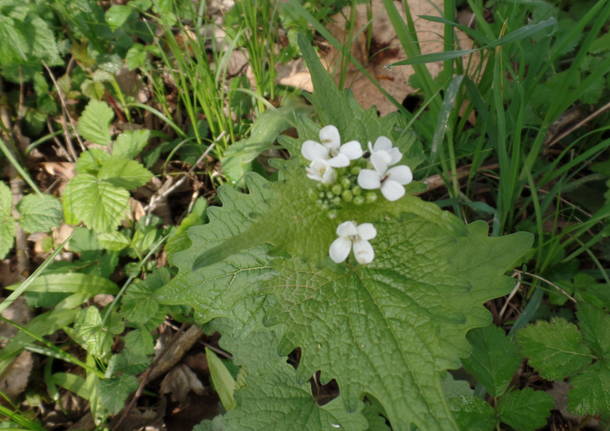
<point x="331" y="197"/>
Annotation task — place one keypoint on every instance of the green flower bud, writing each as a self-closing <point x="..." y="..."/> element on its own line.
<point x="355" y="170"/>
<point x="345" y="182"/>
<point x="336" y="201"/>
<point x="332" y="214"/>
<point x="321" y="195"/>
<point x="347" y="196"/>
<point x="356" y="191"/>
<point x="329" y="195"/>
<point x="371" y="197"/>
<point x="336" y="189"/>
<point x="358" y="200"/>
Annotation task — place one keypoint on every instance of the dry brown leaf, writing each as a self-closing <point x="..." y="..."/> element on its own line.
<point x="387" y="50"/>
<point x="15" y="378"/>
<point x="63" y="171"/>
<point x="179" y="382"/>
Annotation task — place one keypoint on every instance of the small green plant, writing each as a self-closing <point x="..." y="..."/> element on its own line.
<point x="414" y="290"/>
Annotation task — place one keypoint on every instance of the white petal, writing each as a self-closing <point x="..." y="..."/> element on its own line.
<point x="339" y="161"/>
<point x="367" y="231"/>
<point x="395" y="155"/>
<point x="363" y="251"/>
<point x="352" y="149"/>
<point x="339" y="249"/>
<point x="312" y="150"/>
<point x="401" y="174"/>
<point x="311" y="174"/>
<point x="329" y="136"/>
<point x="347" y="228"/>
<point x="382" y="143"/>
<point x="392" y="190"/>
<point x="329" y="176"/>
<point x="369" y="179"/>
<point x="381" y="161"/>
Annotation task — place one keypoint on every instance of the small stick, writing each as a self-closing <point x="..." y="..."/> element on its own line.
<point x="579" y="124"/>
<point x="67" y="114"/>
<point x="169" y="186"/>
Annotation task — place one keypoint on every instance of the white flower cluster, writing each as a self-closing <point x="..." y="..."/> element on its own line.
<point x="343" y="173"/>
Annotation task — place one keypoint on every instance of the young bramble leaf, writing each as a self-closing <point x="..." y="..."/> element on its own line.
<point x="526" y="409"/>
<point x="130" y="143"/>
<point x="40" y="213"/>
<point x="494" y="359"/>
<point x="114" y="241"/>
<point x="555" y="349"/>
<point x="112" y="394"/>
<point x="595" y="326"/>
<point x="589" y="394"/>
<point x="470" y="412"/>
<point x="7" y="224"/>
<point x="124" y="173"/>
<point x="91" y="334"/>
<point x="116" y="15"/>
<point x="99" y="204"/>
<point x="90" y="161"/>
<point x="94" y="123"/>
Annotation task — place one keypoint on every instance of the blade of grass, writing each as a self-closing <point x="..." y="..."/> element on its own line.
<point x="23" y="286"/>
<point x="26" y="177"/>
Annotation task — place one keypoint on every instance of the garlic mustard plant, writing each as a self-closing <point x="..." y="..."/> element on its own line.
<point x="356" y="237"/>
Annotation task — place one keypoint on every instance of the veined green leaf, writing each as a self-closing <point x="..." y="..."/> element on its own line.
<point x="525" y="410"/>
<point x="130" y="143"/>
<point x="419" y="297"/>
<point x="494" y="359"/>
<point x="589" y="394"/>
<point x="94" y="122"/>
<point x="127" y="174"/>
<point x="555" y="349"/>
<point x="40" y="213"/>
<point x="99" y="204"/>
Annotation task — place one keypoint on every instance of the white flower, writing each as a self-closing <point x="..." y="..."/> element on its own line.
<point x="383" y="154"/>
<point x="330" y="148"/>
<point x="353" y="236"/>
<point x="320" y="170"/>
<point x="390" y="181"/>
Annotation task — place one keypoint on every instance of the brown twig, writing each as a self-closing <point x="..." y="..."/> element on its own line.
<point x="437" y="181"/>
<point x="66" y="114"/>
<point x="163" y="363"/>
<point x="578" y="125"/>
<point x="170" y="185"/>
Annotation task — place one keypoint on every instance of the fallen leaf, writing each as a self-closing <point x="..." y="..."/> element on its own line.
<point x="382" y="49"/>
<point x="179" y="382"/>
